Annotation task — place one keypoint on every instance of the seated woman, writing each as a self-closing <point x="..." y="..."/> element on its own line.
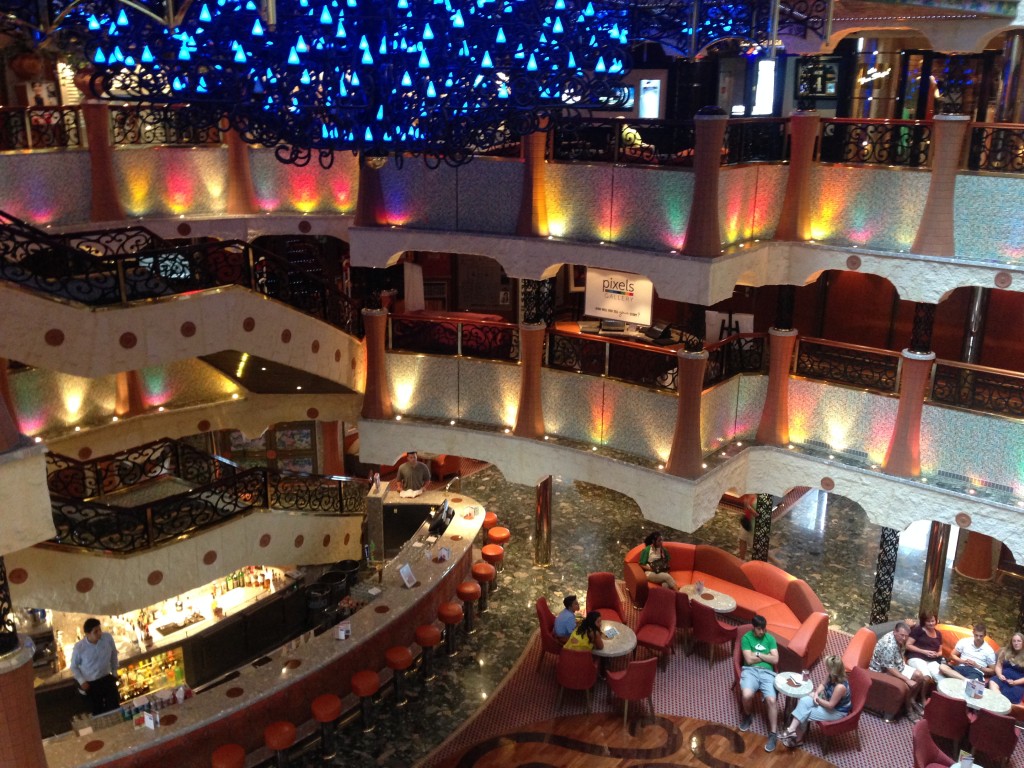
<point x="588" y="635"/>
<point x="1009" y="676"/>
<point x="924" y="646"/>
<point x="831" y="701"/>
<point x="654" y="561"/>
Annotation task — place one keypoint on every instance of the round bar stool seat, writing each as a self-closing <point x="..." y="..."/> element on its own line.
<point x="228" y="756"/>
<point x="499" y="535"/>
<point x="365" y="683"/>
<point x="469" y="593"/>
<point x="279" y="737"/>
<point x="326" y="710"/>
<point x="490" y="520"/>
<point x="484" y="574"/>
<point x="451" y="616"/>
<point x="428" y="637"/>
<point x="495" y="555"/>
<point x="399" y="658"/>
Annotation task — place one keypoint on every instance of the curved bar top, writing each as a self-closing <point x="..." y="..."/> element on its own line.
<point x="238" y="710"/>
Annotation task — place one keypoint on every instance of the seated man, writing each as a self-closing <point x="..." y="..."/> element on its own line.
<point x="565" y="622"/>
<point x="760" y="655"/>
<point x="889" y="658"/>
<point x="973" y="658"/>
<point x="413" y="474"/>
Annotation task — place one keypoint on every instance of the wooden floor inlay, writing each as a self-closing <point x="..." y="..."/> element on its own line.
<point x="600" y="741"/>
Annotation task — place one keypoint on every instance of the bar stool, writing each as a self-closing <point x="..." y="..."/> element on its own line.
<point x="484" y="574"/>
<point x="450" y="615"/>
<point x="228" y="756"/>
<point x="399" y="658"/>
<point x="495" y="555"/>
<point x="365" y="683"/>
<point x="428" y="637"/>
<point x="469" y="593"/>
<point x="326" y="711"/>
<point x="499" y="535"/>
<point x="279" y="737"/>
<point x="490" y="520"/>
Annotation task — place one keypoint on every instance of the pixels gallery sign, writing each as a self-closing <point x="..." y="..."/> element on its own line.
<point x="619" y="296"/>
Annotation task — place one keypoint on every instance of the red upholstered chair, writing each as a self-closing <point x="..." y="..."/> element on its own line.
<point x="443" y="465"/>
<point x="634" y="683"/>
<point x="656" y="628"/>
<point x="548" y="642"/>
<point x="993" y="738"/>
<point x="228" y="756"/>
<point x="860" y="685"/>
<point x="887" y="695"/>
<point x="947" y="717"/>
<point x="708" y="629"/>
<point x="926" y="753"/>
<point x="684" y="619"/>
<point x="603" y="596"/>
<point x="577" y="671"/>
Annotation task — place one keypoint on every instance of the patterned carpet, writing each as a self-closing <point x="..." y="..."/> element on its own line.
<point x="687" y="687"/>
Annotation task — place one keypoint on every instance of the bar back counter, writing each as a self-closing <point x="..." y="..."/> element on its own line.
<point x="237" y="710"/>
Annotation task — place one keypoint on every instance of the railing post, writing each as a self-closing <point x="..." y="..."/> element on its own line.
<point x="935" y="232"/>
<point x="241" y="193"/>
<point x="150" y="533"/>
<point x="106" y="204"/>
<point x="371" y="210"/>
<point x="458" y="339"/>
<point x="533" y="203"/>
<point x="685" y="456"/>
<point x="703" y="228"/>
<point x="377" y="394"/>
<point x="795" y="220"/>
<point x="774" y="426"/>
<point x="530" y="414"/>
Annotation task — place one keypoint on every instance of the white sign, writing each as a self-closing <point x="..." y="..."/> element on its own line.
<point x="619" y="296"/>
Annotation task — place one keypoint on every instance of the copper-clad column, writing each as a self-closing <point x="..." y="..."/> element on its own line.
<point x="377" y="397"/>
<point x="774" y="426"/>
<point x="935" y="235"/>
<point x="21" y="738"/>
<point x="530" y="416"/>
<point x="795" y="220"/>
<point x="686" y="456"/>
<point x="703" y="230"/>
<point x="130" y="401"/>
<point x="10" y="432"/>
<point x="533" y="204"/>
<point x="370" y="208"/>
<point x="977" y="559"/>
<point x="6" y="400"/>
<point x="241" y="191"/>
<point x="106" y="204"/>
<point x="331" y="460"/>
<point x="903" y="458"/>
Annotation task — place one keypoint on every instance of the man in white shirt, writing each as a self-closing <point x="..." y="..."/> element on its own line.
<point x="972" y="657"/>
<point x="94" y="665"/>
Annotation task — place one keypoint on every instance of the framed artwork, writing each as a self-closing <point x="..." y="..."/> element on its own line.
<point x="38" y="93"/>
<point x="577" y="278"/>
<point x="817" y="77"/>
<point x="407" y="578"/>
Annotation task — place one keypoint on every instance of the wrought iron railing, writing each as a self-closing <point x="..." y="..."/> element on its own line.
<point x="111" y="242"/>
<point x="450" y="335"/>
<point x="978" y="388"/>
<point x="851" y="364"/>
<point x="615" y="358"/>
<point x="756" y="140"/>
<point x="41" y="128"/>
<point x="154" y="125"/>
<point x="876" y="142"/>
<point x="742" y="353"/>
<point x="615" y="140"/>
<point x="996" y="148"/>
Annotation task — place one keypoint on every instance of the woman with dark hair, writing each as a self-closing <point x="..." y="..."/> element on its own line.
<point x="924" y="646"/>
<point x="588" y="635"/>
<point x="654" y="561"/>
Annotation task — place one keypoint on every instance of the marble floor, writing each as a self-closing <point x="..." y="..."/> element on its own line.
<point x="823" y="538"/>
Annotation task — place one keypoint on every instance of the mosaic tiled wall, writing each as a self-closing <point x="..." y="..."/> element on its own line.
<point x="718" y="414"/>
<point x="996" y="452"/>
<point x="424" y="385"/>
<point x="573" y="404"/>
<point x="46" y="187"/>
<point x="751" y="392"/>
<point x="416" y="196"/>
<point x="638" y="421"/>
<point x="841" y="417"/>
<point x="750" y="198"/>
<point x="282" y="188"/>
<point x="489" y="193"/>
<point x="988" y="220"/>
<point x="166" y="181"/>
<point x="488" y="392"/>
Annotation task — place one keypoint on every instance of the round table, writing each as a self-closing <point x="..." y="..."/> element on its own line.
<point x="791" y="692"/>
<point x="991" y="700"/>
<point x="622" y="644"/>
<point x="719" y="602"/>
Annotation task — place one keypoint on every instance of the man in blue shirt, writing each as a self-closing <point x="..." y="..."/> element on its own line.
<point x="565" y="622"/>
<point x="94" y="665"/>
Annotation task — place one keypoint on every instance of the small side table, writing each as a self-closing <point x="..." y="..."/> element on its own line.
<point x="790" y="693"/>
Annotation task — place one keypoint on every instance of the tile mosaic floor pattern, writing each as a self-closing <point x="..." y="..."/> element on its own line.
<point x="823" y="538"/>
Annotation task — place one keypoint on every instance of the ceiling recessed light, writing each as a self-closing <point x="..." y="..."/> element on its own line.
<point x="299" y="387"/>
<point x="263" y="369"/>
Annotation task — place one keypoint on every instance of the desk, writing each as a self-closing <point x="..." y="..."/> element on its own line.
<point x="719" y="602"/>
<point x="991" y="700"/>
<point x="791" y="692"/>
<point x="622" y="644"/>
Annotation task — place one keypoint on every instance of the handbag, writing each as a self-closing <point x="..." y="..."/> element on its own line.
<point x="659" y="565"/>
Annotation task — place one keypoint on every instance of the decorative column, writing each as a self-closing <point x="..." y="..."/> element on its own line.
<point x="331" y="460"/>
<point x="530" y="416"/>
<point x="10" y="432"/>
<point x="685" y="457"/>
<point x="935" y="235"/>
<point x="903" y="457"/>
<point x="542" y="522"/>
<point x="21" y="739"/>
<point x="377" y="396"/>
<point x="703" y="230"/>
<point x="130" y="401"/>
<point x="762" y="527"/>
<point x="533" y="204"/>
<point x="976" y="559"/>
<point x="106" y="204"/>
<point x="885" y="574"/>
<point x="774" y="426"/>
<point x="795" y="220"/>
<point x="6" y="400"/>
<point x="970" y="350"/>
<point x="934" y="566"/>
<point x="370" y="208"/>
<point x="1010" y="102"/>
<point x="241" y="191"/>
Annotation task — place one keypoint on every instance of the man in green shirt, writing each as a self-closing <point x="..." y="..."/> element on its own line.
<point x="760" y="655"/>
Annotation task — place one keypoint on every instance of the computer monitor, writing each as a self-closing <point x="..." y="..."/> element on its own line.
<point x="658" y="330"/>
<point x="442" y="517"/>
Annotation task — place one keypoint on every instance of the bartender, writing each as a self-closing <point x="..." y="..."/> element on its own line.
<point x="413" y="474"/>
<point x="94" y="665"/>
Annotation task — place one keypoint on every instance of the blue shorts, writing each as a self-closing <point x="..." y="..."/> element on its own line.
<point x="758" y="679"/>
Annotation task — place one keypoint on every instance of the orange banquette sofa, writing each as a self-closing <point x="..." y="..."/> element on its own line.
<point x="796" y="617"/>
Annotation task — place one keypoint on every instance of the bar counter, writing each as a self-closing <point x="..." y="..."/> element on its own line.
<point x="239" y="709"/>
